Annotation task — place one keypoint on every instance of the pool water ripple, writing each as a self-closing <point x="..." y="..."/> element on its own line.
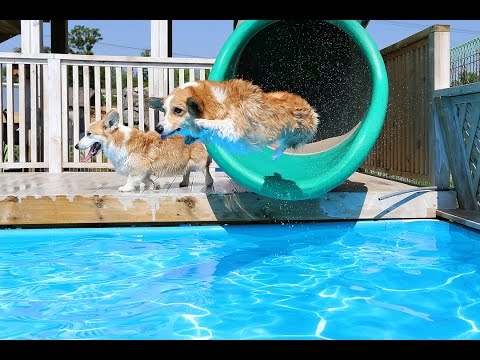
<point x="342" y="280"/>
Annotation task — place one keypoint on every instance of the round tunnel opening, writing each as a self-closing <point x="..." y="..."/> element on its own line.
<point x="318" y="61"/>
<point x="357" y="117"/>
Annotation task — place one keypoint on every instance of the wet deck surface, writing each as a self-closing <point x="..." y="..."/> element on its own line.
<point x="104" y="183"/>
<point x="470" y="218"/>
<point x="93" y="198"/>
<point x="107" y="183"/>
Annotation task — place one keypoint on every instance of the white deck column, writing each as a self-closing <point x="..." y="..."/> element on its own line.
<point x="439" y="67"/>
<point x="159" y="47"/>
<point x="32" y="36"/>
<point x="159" y="38"/>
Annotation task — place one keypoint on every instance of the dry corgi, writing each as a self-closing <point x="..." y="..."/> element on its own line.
<point x="138" y="155"/>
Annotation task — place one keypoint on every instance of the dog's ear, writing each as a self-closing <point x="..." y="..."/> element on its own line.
<point x="111" y="119"/>
<point x="155" y="103"/>
<point x="194" y="107"/>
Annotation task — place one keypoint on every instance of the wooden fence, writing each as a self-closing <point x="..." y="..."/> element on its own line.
<point x="410" y="147"/>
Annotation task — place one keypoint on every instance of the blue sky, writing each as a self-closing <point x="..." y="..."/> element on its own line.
<point x="204" y="38"/>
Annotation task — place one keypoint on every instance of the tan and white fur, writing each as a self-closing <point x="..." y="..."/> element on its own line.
<point x="138" y="155"/>
<point x="237" y="115"/>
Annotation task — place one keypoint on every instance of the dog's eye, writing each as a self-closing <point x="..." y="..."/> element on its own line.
<point x="177" y="111"/>
<point x="89" y="133"/>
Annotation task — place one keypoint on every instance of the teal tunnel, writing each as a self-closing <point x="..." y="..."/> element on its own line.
<point x="336" y="66"/>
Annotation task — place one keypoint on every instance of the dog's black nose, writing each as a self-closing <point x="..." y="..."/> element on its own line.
<point x="159" y="128"/>
<point x="76" y="146"/>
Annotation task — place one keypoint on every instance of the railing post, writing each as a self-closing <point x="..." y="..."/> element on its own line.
<point x="54" y="116"/>
<point x="439" y="67"/>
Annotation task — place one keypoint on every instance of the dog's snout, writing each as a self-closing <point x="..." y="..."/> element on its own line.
<point x="76" y="146"/>
<point x="159" y="128"/>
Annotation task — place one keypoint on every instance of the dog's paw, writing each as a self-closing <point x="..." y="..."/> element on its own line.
<point x="189" y="140"/>
<point x="202" y="123"/>
<point x="126" y="188"/>
<point x="151" y="187"/>
<point x="277" y="153"/>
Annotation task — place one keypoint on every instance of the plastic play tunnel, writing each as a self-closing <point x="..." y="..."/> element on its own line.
<point x="333" y="64"/>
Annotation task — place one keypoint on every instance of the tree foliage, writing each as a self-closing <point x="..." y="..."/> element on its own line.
<point x="466" y="77"/>
<point x="46" y="49"/>
<point x="82" y="39"/>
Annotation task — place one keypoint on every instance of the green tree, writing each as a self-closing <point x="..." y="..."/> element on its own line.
<point x="46" y="49"/>
<point x="81" y="40"/>
<point x="469" y="77"/>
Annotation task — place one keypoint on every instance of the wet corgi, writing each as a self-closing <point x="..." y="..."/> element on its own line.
<point x="237" y="115"/>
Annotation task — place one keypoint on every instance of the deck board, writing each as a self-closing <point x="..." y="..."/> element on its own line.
<point x="470" y="218"/>
<point x="93" y="198"/>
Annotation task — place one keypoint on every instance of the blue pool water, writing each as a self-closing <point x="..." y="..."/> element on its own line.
<point x="344" y="280"/>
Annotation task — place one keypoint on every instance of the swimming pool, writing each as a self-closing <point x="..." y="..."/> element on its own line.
<point x="343" y="280"/>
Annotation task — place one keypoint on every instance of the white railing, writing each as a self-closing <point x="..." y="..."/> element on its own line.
<point x="49" y="100"/>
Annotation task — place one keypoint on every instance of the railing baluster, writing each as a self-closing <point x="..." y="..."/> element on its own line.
<point x="10" y="113"/>
<point x="76" y="113"/>
<point x="98" y="93"/>
<point x="108" y="88"/>
<point x="21" y="112"/>
<point x="33" y="114"/>
<point x="171" y="80"/>
<point x="181" y="77"/>
<point x="118" y="73"/>
<point x="86" y="97"/>
<point x="65" y="110"/>
<point x="129" y="96"/>
<point x="141" y="106"/>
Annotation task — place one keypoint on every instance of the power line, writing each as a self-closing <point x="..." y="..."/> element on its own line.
<point x="121" y="46"/>
<point x="130" y="47"/>
<point x="135" y="48"/>
<point x="415" y="25"/>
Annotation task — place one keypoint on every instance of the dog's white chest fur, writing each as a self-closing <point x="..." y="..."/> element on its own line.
<point x="118" y="156"/>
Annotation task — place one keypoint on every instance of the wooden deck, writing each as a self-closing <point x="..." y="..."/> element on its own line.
<point x="470" y="218"/>
<point x="92" y="198"/>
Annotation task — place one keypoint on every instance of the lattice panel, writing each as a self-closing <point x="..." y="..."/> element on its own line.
<point x="467" y="114"/>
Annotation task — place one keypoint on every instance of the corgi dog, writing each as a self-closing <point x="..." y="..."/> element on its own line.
<point x="237" y="115"/>
<point x="138" y="155"/>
